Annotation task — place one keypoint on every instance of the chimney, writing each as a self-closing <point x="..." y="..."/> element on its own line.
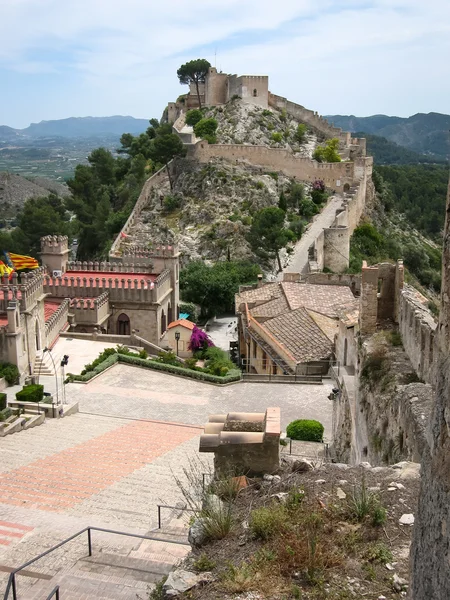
<point x="260" y="280"/>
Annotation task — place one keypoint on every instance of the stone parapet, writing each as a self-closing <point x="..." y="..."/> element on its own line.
<point x="244" y="443"/>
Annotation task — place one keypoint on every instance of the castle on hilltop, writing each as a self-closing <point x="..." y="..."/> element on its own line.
<point x="220" y="88"/>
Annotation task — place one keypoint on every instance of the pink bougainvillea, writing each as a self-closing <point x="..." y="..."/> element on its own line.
<point x="199" y="340"/>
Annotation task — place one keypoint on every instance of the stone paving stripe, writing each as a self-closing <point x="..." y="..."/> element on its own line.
<point x="15" y="526"/>
<point x="174" y="423"/>
<point x="11" y="533"/>
<point x="25" y="573"/>
<point x="58" y="482"/>
<point x="5" y="542"/>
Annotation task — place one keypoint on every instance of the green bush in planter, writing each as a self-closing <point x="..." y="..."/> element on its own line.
<point x="31" y="393"/>
<point x="10" y="372"/>
<point x="3" y="401"/>
<point x="5" y="414"/>
<point x="305" y="430"/>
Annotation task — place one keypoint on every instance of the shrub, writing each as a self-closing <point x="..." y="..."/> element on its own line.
<point x="31" y="393"/>
<point x="266" y="521"/>
<point x="3" y="404"/>
<point x="168" y="358"/>
<point x="190" y="363"/>
<point x="328" y="153"/>
<point x="395" y="338"/>
<point x="86" y="376"/>
<point x="217" y="361"/>
<point x="266" y="113"/>
<point x="171" y="203"/>
<point x="10" y="372"/>
<point x="305" y="430"/>
<point x="364" y="503"/>
<point x="143" y="353"/>
<point x="5" y="414"/>
<point x="193" y="117"/>
<point x="300" y="134"/>
<point x="206" y="128"/>
<point x="203" y="563"/>
<point x="376" y="367"/>
<point x="199" y="341"/>
<point x="277" y="137"/>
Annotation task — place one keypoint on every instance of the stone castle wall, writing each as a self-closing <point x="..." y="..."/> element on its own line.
<point x="335" y="175"/>
<point x="153" y="182"/>
<point x="430" y="550"/>
<point x="310" y="117"/>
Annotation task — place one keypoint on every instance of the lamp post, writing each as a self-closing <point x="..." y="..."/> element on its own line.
<point x="64" y="361"/>
<point x="56" y="374"/>
<point x="177" y="338"/>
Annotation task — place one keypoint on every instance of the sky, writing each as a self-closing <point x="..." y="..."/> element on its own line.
<point x="63" y="58"/>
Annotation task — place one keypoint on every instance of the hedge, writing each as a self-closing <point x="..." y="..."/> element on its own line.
<point x="3" y="401"/>
<point x="305" y="430"/>
<point x="10" y="372"/>
<point x="5" y="414"/>
<point x="31" y="393"/>
<point x="108" y="362"/>
<point x="234" y="375"/>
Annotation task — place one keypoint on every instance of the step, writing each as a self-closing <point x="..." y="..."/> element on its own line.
<point x="156" y="561"/>
<point x="76" y="586"/>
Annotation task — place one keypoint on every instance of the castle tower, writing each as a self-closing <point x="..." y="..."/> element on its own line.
<point x="168" y="257"/>
<point x="55" y="252"/>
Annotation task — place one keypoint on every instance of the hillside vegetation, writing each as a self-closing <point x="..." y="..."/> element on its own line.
<point x="241" y="123"/>
<point x="422" y="133"/>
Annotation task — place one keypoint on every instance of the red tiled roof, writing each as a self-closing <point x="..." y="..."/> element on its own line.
<point x="3" y="321"/>
<point x="50" y="308"/>
<point x="182" y="323"/>
<point x="109" y="276"/>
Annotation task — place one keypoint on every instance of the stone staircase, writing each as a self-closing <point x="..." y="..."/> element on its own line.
<point x="43" y="366"/>
<point x="120" y="575"/>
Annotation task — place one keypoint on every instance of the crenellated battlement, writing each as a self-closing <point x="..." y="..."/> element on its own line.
<point x="107" y="267"/>
<point x="54" y="244"/>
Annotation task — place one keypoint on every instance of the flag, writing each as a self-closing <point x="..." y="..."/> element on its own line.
<point x="4" y="270"/>
<point x="18" y="261"/>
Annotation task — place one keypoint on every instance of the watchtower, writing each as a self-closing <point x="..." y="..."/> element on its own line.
<point x="55" y="253"/>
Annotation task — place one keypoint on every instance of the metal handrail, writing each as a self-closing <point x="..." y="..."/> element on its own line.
<point x="12" y="578"/>
<point x="180" y="508"/>
<point x="54" y="592"/>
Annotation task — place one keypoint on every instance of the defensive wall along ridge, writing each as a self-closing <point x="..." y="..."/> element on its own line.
<point x="351" y="177"/>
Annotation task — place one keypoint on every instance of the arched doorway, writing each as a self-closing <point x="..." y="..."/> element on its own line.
<point x="163" y="322"/>
<point x="345" y="351"/>
<point x="38" y="336"/>
<point x="123" y="324"/>
<point x="347" y="187"/>
<point x="169" y="314"/>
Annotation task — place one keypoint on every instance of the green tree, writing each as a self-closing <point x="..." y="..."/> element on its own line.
<point x="206" y="129"/>
<point x="193" y="117"/>
<point x="282" y="202"/>
<point x="328" y="153"/>
<point x="268" y="234"/>
<point x="213" y="287"/>
<point x="166" y="147"/>
<point x="195" y="72"/>
<point x="40" y="217"/>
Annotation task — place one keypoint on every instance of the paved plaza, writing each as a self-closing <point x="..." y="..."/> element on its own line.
<point x="114" y="461"/>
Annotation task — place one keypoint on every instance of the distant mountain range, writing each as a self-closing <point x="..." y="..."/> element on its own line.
<point x="422" y="133"/>
<point x="76" y="127"/>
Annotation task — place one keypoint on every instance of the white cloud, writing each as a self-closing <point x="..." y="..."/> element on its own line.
<point x="353" y="55"/>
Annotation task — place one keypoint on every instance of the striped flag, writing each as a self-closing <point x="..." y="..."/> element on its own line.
<point x="5" y="270"/>
<point x="18" y="261"/>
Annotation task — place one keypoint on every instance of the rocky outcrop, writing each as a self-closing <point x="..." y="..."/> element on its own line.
<point x="430" y="565"/>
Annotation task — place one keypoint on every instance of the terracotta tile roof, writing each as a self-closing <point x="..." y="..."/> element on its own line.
<point x="325" y="299"/>
<point x="300" y="335"/>
<point x="182" y="323"/>
<point x="49" y="309"/>
<point x="265" y="293"/>
<point x="329" y="326"/>
<point x="269" y="309"/>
